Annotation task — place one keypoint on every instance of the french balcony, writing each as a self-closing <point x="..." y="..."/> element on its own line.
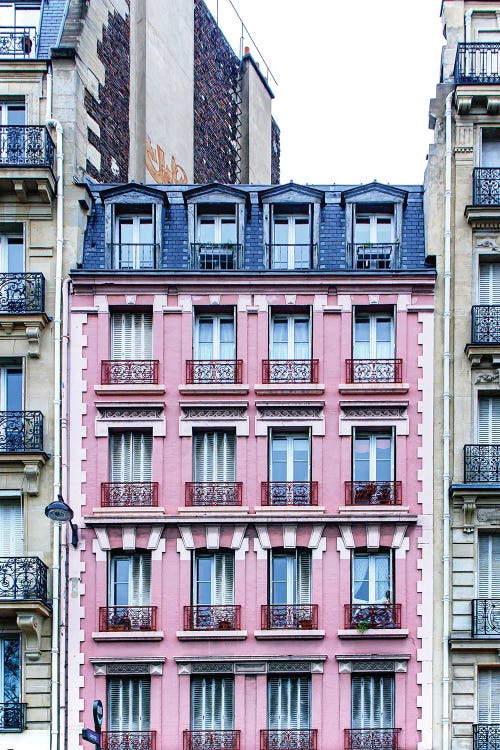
<point x="12" y="717"/>
<point x="22" y="293"/>
<point x="371" y="739"/>
<point x="17" y="41"/>
<point x="206" y="494"/>
<point x="486" y="619"/>
<point x="477" y="63"/>
<point x="373" y="256"/>
<point x="291" y="257"/>
<point x="127" y="619"/>
<point x="289" y="616"/>
<point x="129" y="494"/>
<point x="365" y="616"/>
<point x="127" y="256"/>
<point x="288" y="739"/>
<point x="26" y="146"/>
<point x="486" y="186"/>
<point x="373" y="493"/>
<point x="290" y="371"/>
<point x="128" y="740"/>
<point x="486" y="736"/>
<point x="216" y="256"/>
<point x="21" y="431"/>
<point x="23" y="579"/>
<point x="374" y="370"/>
<point x="289" y="493"/>
<point x="129" y="371"/>
<point x="214" y="371"/>
<point x="486" y="323"/>
<point x="212" y="617"/>
<point x="211" y="739"/>
<point x="481" y="464"/>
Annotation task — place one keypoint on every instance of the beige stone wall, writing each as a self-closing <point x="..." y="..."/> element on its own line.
<point x="255" y="152"/>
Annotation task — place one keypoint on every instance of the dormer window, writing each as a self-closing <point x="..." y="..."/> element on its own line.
<point x="19" y="23"/>
<point x="291" y="239"/>
<point x="216" y="246"/>
<point x="134" y="247"/>
<point x="373" y="245"/>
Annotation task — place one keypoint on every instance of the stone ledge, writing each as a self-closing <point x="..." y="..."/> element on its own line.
<point x="291" y="634"/>
<point x="354" y="633"/>
<point x="129" y="635"/>
<point x="212" y="389"/>
<point x="211" y="635"/>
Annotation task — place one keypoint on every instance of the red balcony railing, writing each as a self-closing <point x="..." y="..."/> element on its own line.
<point x="211" y="739"/>
<point x="364" y="616"/>
<point x="288" y="739"/>
<point x="127" y="618"/>
<point x="129" y="494"/>
<point x="289" y="616"/>
<point x="289" y="493"/>
<point x="129" y="371"/>
<point x="213" y="493"/>
<point x="128" y="740"/>
<point x="214" y="371"/>
<point x="290" y="370"/>
<point x="212" y="617"/>
<point x="371" y="739"/>
<point x="373" y="493"/>
<point x="374" y="370"/>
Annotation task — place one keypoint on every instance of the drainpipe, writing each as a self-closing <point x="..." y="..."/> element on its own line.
<point x="446" y="424"/>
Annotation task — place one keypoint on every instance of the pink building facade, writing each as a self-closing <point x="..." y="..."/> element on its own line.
<point x="250" y="465"/>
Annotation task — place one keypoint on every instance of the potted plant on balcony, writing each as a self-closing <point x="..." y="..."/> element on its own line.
<point x="305" y="623"/>
<point x="27" y="44"/>
<point x="225" y="625"/>
<point x="363" y="493"/>
<point x="363" y="625"/>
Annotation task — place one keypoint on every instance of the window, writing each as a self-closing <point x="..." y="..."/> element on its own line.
<point x="13" y="427"/>
<point x="11" y="717"/>
<point x="11" y="526"/>
<point x="371" y="578"/>
<point x="374" y="242"/>
<point x="214" y="457"/>
<point x="291" y="242"/>
<point x="212" y="704"/>
<point x="216" y="239"/>
<point x="213" y="582"/>
<point x="372" y="701"/>
<point x="289" y="702"/>
<point x="290" y="577"/>
<point x="21" y="19"/>
<point x="131" y="336"/>
<point x="131" y="456"/>
<point x="489" y="419"/>
<point x="373" y="229"/>
<point x="11" y="253"/>
<point x="373" y="456"/>
<point x="488" y="581"/>
<point x="290" y="457"/>
<point x="490" y="147"/>
<point x="489" y="283"/>
<point x="214" y="337"/>
<point x="134" y="246"/>
<point x="290" y="337"/>
<point x="129" y="704"/>
<point x="373" y="336"/>
<point x="488" y="692"/>
<point x="130" y="580"/>
<point x="12" y="116"/>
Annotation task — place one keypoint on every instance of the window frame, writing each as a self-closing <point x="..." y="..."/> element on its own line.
<point x="372" y="556"/>
<point x="143" y="593"/>
<point x="373" y="342"/>
<point x="292" y="319"/>
<point x="216" y="319"/>
<point x="296" y="589"/>
<point x="280" y="433"/>
<point x="361" y="432"/>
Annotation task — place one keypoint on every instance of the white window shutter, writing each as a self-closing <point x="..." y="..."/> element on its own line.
<point x="129" y="703"/>
<point x="372" y="701"/>
<point x="131" y="336"/>
<point x="214" y="457"/>
<point x="140" y="580"/>
<point x="11" y="526"/>
<point x="212" y="703"/>
<point x="131" y="456"/>
<point x="223" y="578"/>
<point x="489" y="566"/>
<point x="489" y="283"/>
<point x="489" y="419"/>
<point x="289" y="703"/>
<point x="303" y="577"/>
<point x="488" y="692"/>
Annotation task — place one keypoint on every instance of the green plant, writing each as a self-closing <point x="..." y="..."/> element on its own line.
<point x="363" y="625"/>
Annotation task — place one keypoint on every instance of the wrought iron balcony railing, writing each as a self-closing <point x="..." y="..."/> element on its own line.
<point x="486" y="618"/>
<point x="17" y="41"/>
<point x="26" y="146"/>
<point x="213" y="493"/>
<point x="486" y="736"/>
<point x="133" y="256"/>
<point x="373" y="256"/>
<point x="486" y="321"/>
<point x="373" y="493"/>
<point x="289" y="616"/>
<point x="21" y="431"/>
<point x="127" y="618"/>
<point x="288" y="739"/>
<point x="477" y="62"/>
<point x="481" y="463"/>
<point x="129" y="371"/>
<point x="371" y="739"/>
<point x="290" y="370"/>
<point x="486" y="186"/>
<point x="23" y="579"/>
<point x="22" y="293"/>
<point x="128" y="740"/>
<point x="289" y="493"/>
<point x="214" y="371"/>
<point x="12" y="717"/>
<point x="291" y="257"/>
<point x="211" y="739"/>
<point x="216" y="256"/>
<point x="212" y="617"/>
<point x="364" y="616"/>
<point x="129" y="494"/>
<point x="374" y="370"/>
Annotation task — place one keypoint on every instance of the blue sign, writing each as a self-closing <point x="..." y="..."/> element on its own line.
<point x="91" y="736"/>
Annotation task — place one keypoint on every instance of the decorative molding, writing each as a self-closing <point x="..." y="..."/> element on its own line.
<point x="263" y="535"/>
<point x="347" y="535"/>
<point x="469" y="509"/>
<point x="154" y="537"/>
<point x="212" y="536"/>
<point x="213" y="412"/>
<point x="358" y="411"/>
<point x="292" y="411"/>
<point x="491" y="517"/>
<point x="102" y="538"/>
<point x="238" y="537"/>
<point x="219" y="414"/>
<point x="249" y="665"/>
<point x="489" y="243"/>
<point x="289" y="535"/>
<point x="116" y="666"/>
<point x="187" y="537"/>
<point x="399" y="535"/>
<point x="30" y="624"/>
<point x="111" y="413"/>
<point x="372" y="536"/>
<point x="128" y="538"/>
<point x="32" y="475"/>
<point x="316" y="536"/>
<point x="373" y="663"/>
<point x="487" y="377"/>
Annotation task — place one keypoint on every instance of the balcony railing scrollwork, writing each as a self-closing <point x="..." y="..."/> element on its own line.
<point x="373" y="493"/>
<point x="289" y="616"/>
<point x="133" y="256"/>
<point x="216" y="256"/>
<point x="129" y="494"/>
<point x="486" y="322"/>
<point x="477" y="62"/>
<point x="17" y="41"/>
<point x="26" y="146"/>
<point x="374" y="370"/>
<point x="211" y="739"/>
<point x="373" y="256"/>
<point x="214" y="371"/>
<point x="22" y="293"/>
<point x="486" y="736"/>
<point x="371" y="739"/>
<point x="366" y="616"/>
<point x="212" y="617"/>
<point x="124" y="618"/>
<point x="290" y="370"/>
<point x="481" y="463"/>
<point x="128" y="740"/>
<point x="289" y="493"/>
<point x="12" y="717"/>
<point x="21" y="431"/>
<point x="23" y="579"/>
<point x="486" y="618"/>
<point x="213" y="493"/>
<point x="288" y="739"/>
<point x="129" y="371"/>
<point x="486" y="187"/>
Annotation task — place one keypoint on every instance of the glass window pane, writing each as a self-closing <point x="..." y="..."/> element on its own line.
<point x="279" y="460"/>
<point x="362" y="230"/>
<point x="362" y="459"/>
<point x="384" y="230"/>
<point x="206" y="229"/>
<point x="281" y="231"/>
<point x="302" y="235"/>
<point x="146" y="231"/>
<point x="228" y="231"/>
<point x="384" y="458"/>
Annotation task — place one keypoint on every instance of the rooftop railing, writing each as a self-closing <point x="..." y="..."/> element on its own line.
<point x="26" y="146"/>
<point x="133" y="256"/>
<point x="22" y="293"/>
<point x="291" y="256"/>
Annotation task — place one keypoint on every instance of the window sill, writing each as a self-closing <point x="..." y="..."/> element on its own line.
<point x="265" y="389"/>
<point x="374" y="388"/>
<point x="213" y="389"/>
<point x="290" y="634"/>
<point x="211" y="635"/>
<point x="119" y="389"/>
<point x="374" y="633"/>
<point x="288" y="509"/>
<point x="213" y="509"/>
<point x="129" y="635"/>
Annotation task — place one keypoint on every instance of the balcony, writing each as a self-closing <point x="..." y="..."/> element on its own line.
<point x="486" y="191"/>
<point x="22" y="293"/>
<point x="211" y="739"/>
<point x="486" y="619"/>
<point x="127" y="619"/>
<point x="12" y="717"/>
<point x="289" y="493"/>
<point x="290" y="370"/>
<point x="129" y="371"/>
<point x="374" y="256"/>
<point x="374" y="370"/>
<point x="373" y="493"/>
<point x="289" y="616"/>
<point x="17" y="41"/>
<point x="26" y="146"/>
<point x="365" y="616"/>
<point x="129" y="494"/>
<point x="371" y="739"/>
<point x="486" y="736"/>
<point x="288" y="739"/>
<point x="23" y="579"/>
<point x="205" y="494"/>
<point x="481" y="463"/>
<point x="214" y="371"/>
<point x="21" y="431"/>
<point x="212" y="617"/>
<point x="128" y="740"/>
<point x="213" y="256"/>
<point x="477" y="63"/>
<point x="135" y="256"/>
<point x="485" y="323"/>
<point x="291" y="257"/>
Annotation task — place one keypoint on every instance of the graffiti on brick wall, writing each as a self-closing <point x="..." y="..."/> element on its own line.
<point x="173" y="174"/>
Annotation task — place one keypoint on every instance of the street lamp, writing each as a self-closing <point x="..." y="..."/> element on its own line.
<point x="59" y="512"/>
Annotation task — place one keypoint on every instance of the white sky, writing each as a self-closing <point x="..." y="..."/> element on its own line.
<point x="355" y="79"/>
